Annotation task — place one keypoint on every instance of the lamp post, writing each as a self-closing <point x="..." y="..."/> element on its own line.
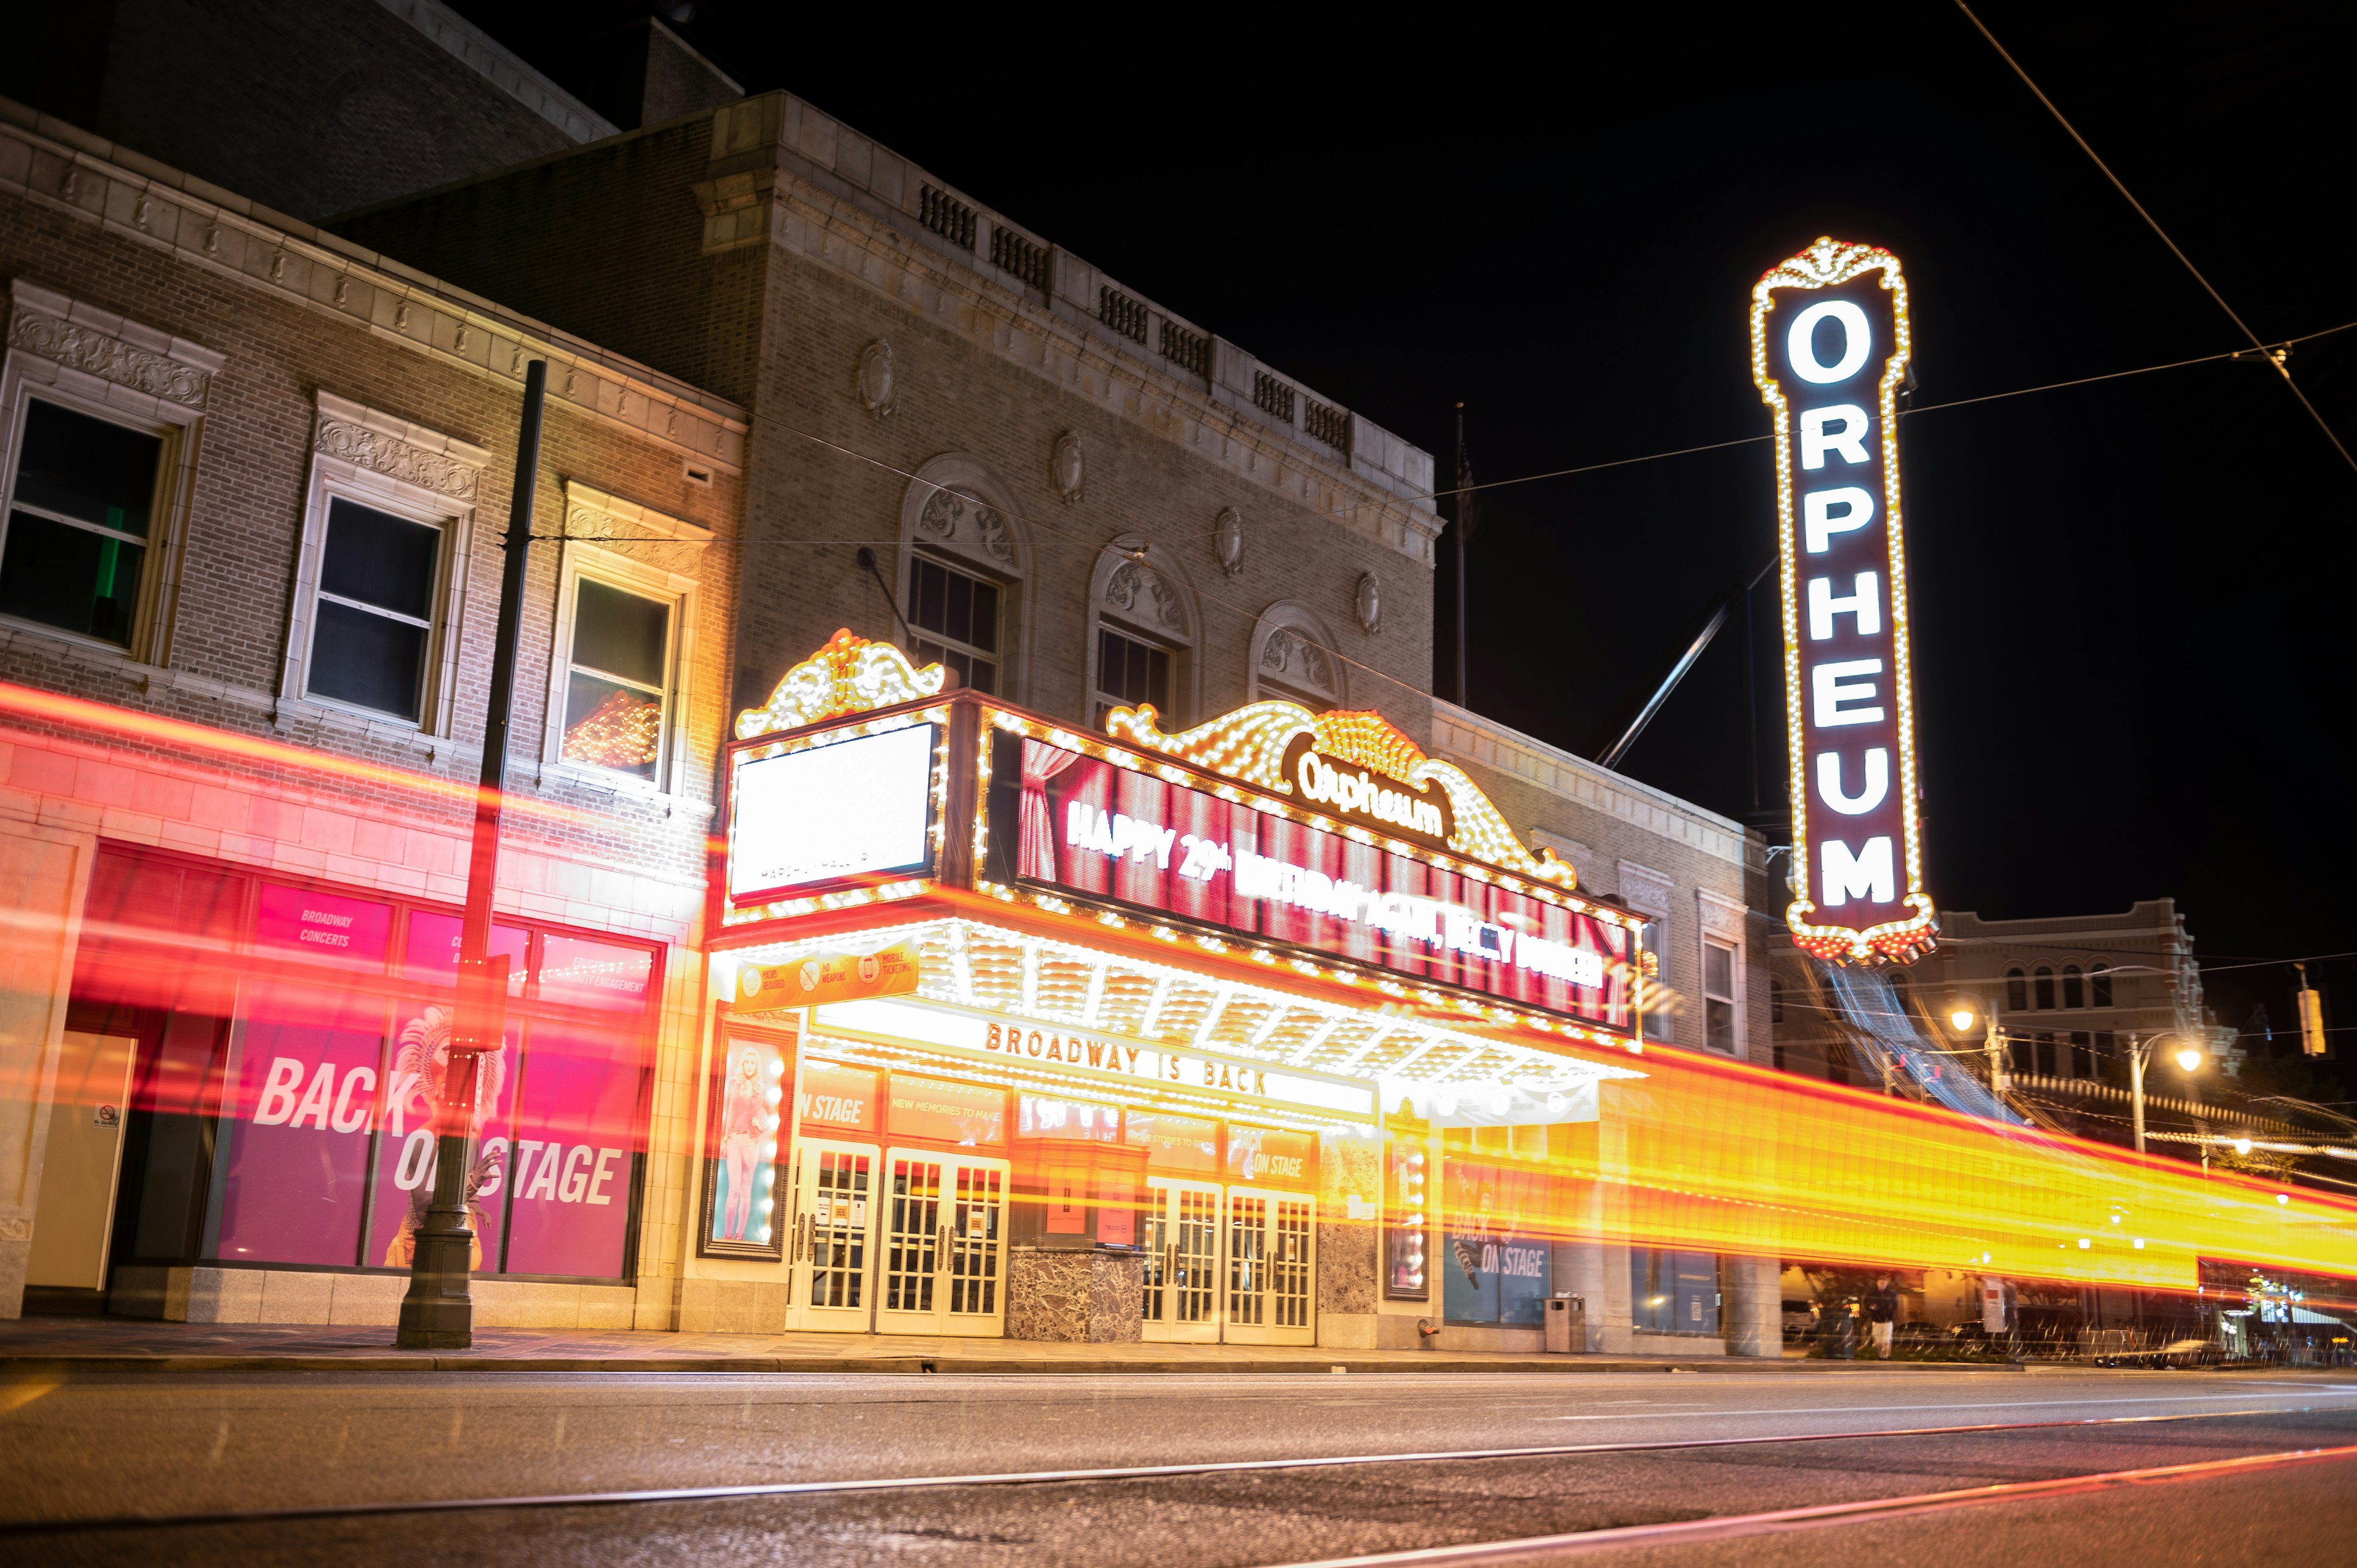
<point x="2189" y="1056"/>
<point x="438" y="1312"/>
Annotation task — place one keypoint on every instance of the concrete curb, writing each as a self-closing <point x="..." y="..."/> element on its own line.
<point x="20" y="1365"/>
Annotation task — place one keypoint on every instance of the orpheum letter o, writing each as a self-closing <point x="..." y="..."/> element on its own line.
<point x="1801" y="347"/>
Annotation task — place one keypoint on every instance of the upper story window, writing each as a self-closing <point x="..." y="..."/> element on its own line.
<point x="1718" y="995"/>
<point x="1775" y="999"/>
<point x="373" y="625"/>
<point x="83" y="505"/>
<point x="2075" y="987"/>
<point x="2017" y="991"/>
<point x="2101" y="980"/>
<point x="953" y="616"/>
<point x="1130" y="671"/>
<point x="617" y="680"/>
<point x="2044" y="982"/>
<point x="1293" y="658"/>
<point x="1654" y="939"/>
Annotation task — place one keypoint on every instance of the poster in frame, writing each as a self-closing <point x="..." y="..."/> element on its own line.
<point x="744" y="1137"/>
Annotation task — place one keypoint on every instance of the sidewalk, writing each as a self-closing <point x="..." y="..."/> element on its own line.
<point x="121" y="1345"/>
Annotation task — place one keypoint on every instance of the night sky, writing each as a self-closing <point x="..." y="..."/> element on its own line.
<point x="2131" y="631"/>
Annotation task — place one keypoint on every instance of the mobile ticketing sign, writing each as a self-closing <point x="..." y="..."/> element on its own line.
<point x="1829" y="349"/>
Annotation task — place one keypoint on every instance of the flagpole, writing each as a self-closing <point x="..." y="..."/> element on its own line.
<point x="1459" y="529"/>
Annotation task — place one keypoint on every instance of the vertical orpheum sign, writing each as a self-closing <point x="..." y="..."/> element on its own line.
<point x="1829" y="348"/>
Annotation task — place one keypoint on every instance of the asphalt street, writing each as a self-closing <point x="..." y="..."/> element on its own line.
<point x="94" y="1454"/>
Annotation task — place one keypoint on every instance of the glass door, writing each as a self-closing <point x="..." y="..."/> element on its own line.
<point x="833" y="1236"/>
<point x="1272" y="1267"/>
<point x="1182" y="1262"/>
<point x="944" y="1246"/>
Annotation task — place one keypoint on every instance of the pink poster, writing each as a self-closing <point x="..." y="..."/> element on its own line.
<point x="302" y="1089"/>
<point x="429" y="953"/>
<point x="407" y="1152"/>
<point x="323" y="926"/>
<point x="575" y="1129"/>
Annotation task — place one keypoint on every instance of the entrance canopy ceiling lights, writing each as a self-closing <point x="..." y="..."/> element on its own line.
<point x="970" y="965"/>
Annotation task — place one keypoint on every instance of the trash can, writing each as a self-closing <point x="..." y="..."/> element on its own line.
<point x="1566" y="1325"/>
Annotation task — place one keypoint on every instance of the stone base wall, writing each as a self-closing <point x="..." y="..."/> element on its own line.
<point x="300" y="1296"/>
<point x="727" y="1306"/>
<point x="1074" y="1296"/>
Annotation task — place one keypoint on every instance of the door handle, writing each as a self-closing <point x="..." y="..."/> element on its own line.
<point x="941" y="1254"/>
<point x="802" y="1240"/>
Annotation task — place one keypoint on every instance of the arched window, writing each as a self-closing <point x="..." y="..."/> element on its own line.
<point x="1141" y="645"/>
<point x="2103" y="979"/>
<point x="2017" y="991"/>
<point x="2074" y="990"/>
<point x="964" y="561"/>
<point x="2044" y="980"/>
<point x="1293" y="658"/>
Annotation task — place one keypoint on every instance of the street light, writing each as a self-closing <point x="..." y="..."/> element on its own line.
<point x="2189" y="1056"/>
<point x="1961" y="1020"/>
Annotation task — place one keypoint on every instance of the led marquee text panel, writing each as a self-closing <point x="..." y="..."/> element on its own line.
<point x="1198" y="883"/>
<point x="1830" y="341"/>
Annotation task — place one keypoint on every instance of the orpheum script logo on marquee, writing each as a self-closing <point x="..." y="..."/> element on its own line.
<point x="1829" y="348"/>
<point x="1063" y="819"/>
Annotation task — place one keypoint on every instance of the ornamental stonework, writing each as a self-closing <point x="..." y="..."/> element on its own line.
<point x="395" y="459"/>
<point x="108" y="359"/>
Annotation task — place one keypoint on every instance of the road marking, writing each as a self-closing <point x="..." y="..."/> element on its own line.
<point x="1872" y="1409"/>
<point x="1735" y="1526"/>
<point x="1041" y="1477"/>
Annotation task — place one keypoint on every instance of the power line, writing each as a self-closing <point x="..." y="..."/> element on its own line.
<point x="2275" y="359"/>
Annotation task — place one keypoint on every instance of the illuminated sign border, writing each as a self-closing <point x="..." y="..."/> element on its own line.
<point x="1828" y="264"/>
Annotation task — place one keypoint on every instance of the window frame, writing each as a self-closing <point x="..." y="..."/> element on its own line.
<point x="1732" y="1001"/>
<point x="1657" y="1016"/>
<point x="2042" y="989"/>
<point x="1005" y="560"/>
<point x="957" y="567"/>
<point x="1100" y="700"/>
<point x="678" y="594"/>
<point x="1306" y="626"/>
<point x="334" y="478"/>
<point x="151" y="616"/>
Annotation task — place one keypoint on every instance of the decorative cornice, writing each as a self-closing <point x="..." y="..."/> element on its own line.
<point x="108" y="357"/>
<point x="394" y="458"/>
<point x="848" y="675"/>
<point x="594" y="513"/>
<point x="1251" y="744"/>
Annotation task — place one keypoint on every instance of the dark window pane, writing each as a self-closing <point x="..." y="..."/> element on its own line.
<point x="2016" y="990"/>
<point x="1157" y="678"/>
<point x="925" y="652"/>
<point x="985" y="677"/>
<point x="986" y="616"/>
<point x="87" y="468"/>
<point x="611" y="725"/>
<point x="1718" y="1018"/>
<point x="2074" y="992"/>
<point x="2044" y="984"/>
<point x="619" y="633"/>
<point x="368" y="660"/>
<point x="2102" y="988"/>
<point x="70" y="577"/>
<point x="958" y="609"/>
<point x="931" y="586"/>
<point x="380" y="559"/>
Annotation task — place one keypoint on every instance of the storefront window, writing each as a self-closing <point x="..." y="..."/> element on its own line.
<point x="1496" y="1259"/>
<point x="576" y="1108"/>
<point x="1673" y="1292"/>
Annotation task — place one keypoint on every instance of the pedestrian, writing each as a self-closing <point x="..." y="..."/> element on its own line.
<point x="1883" y="1311"/>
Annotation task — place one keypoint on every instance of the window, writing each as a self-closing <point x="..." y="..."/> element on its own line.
<point x="80" y="517"/>
<point x="1673" y="1293"/>
<point x="2082" y="1061"/>
<point x="1775" y="1000"/>
<point x="2044" y="981"/>
<point x="955" y="618"/>
<point x="2102" y="978"/>
<point x="2017" y="991"/>
<point x="2045" y="1054"/>
<point x="617" y="693"/>
<point x="1131" y="671"/>
<point x="1718" y="995"/>
<point x="373" y="630"/>
<point x="2074" y="989"/>
<point x="1656" y="941"/>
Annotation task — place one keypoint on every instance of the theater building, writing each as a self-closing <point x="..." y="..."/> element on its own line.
<point x="1265" y="1031"/>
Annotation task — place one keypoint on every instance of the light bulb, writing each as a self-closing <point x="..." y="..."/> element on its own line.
<point x="2188" y="1059"/>
<point x="1961" y="1019"/>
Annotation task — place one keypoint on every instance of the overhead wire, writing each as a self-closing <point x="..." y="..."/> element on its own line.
<point x="2276" y="359"/>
